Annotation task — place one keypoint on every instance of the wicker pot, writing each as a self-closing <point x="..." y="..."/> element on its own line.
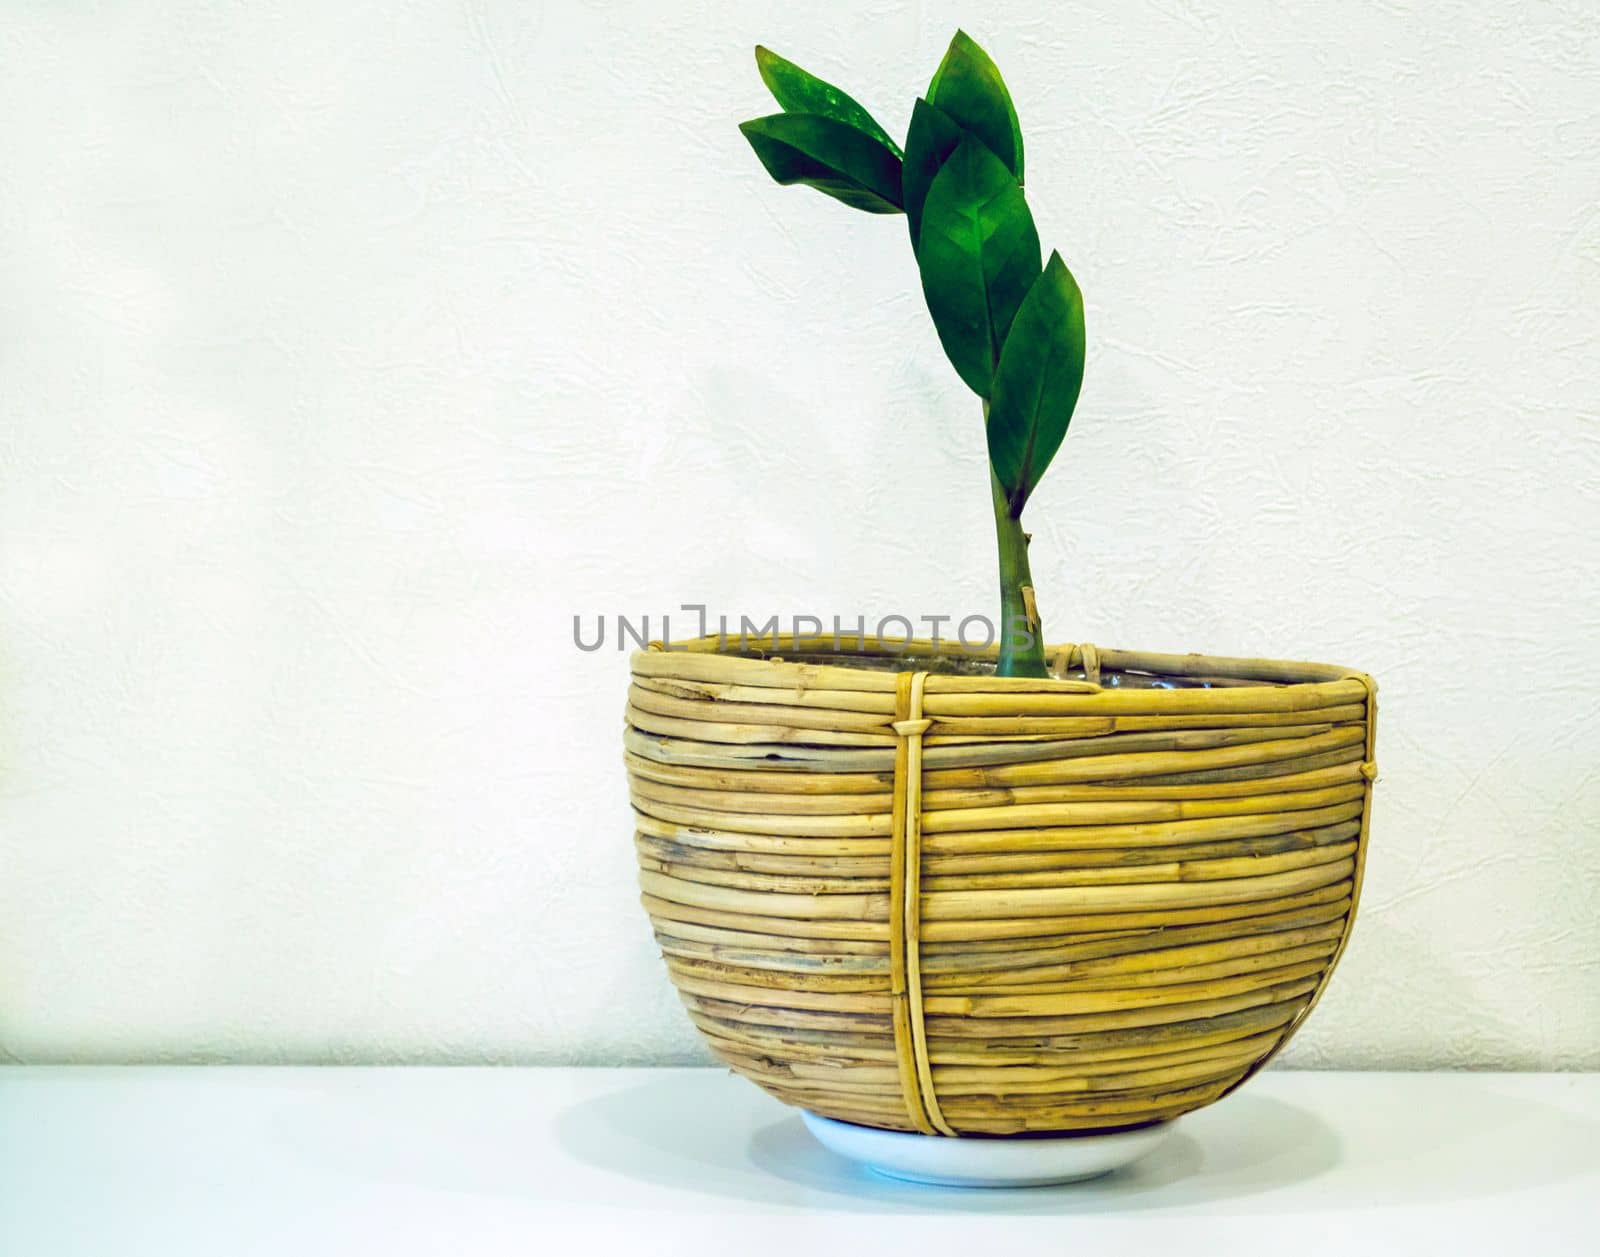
<point x="899" y="891"/>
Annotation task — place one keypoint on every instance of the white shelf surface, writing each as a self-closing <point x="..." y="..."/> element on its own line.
<point x="235" y="1162"/>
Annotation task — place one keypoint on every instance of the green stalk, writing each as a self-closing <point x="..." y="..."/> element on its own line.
<point x="1018" y="611"/>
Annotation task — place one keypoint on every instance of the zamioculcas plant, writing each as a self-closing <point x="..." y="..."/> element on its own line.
<point x="1011" y="325"/>
<point x="822" y="889"/>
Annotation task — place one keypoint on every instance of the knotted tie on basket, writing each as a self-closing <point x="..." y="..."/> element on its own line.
<point x="905" y="900"/>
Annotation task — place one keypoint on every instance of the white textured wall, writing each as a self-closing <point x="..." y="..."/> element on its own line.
<point x="346" y="352"/>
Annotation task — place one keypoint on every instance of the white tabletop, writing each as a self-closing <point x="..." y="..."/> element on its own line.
<point x="230" y="1162"/>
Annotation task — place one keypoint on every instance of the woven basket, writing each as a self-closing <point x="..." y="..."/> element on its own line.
<point x="896" y="890"/>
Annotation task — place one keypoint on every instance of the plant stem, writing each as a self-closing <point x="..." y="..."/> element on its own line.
<point x="1019" y="615"/>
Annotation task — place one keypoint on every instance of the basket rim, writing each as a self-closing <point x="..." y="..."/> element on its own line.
<point x="766" y="656"/>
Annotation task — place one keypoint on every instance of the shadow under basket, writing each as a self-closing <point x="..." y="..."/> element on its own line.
<point x="897" y="890"/>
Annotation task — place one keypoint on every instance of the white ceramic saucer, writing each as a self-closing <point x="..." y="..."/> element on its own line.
<point x="986" y="1162"/>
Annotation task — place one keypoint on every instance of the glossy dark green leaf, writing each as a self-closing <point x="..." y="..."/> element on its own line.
<point x="828" y="155"/>
<point x="1036" y="385"/>
<point x="930" y="140"/>
<point x="968" y="88"/>
<point x="801" y="92"/>
<point x="979" y="256"/>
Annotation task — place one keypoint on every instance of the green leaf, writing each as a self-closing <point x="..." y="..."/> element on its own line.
<point x="1036" y="385"/>
<point x="800" y="92"/>
<point x="930" y="140"/>
<point x="979" y="255"/>
<point x="828" y="155"/>
<point x="968" y="87"/>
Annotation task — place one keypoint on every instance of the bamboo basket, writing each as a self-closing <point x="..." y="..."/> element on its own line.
<point x="896" y="890"/>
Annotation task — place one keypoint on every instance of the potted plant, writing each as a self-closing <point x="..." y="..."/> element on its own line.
<point x="1025" y="890"/>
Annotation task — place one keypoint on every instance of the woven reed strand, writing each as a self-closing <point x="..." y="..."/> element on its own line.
<point x="962" y="904"/>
